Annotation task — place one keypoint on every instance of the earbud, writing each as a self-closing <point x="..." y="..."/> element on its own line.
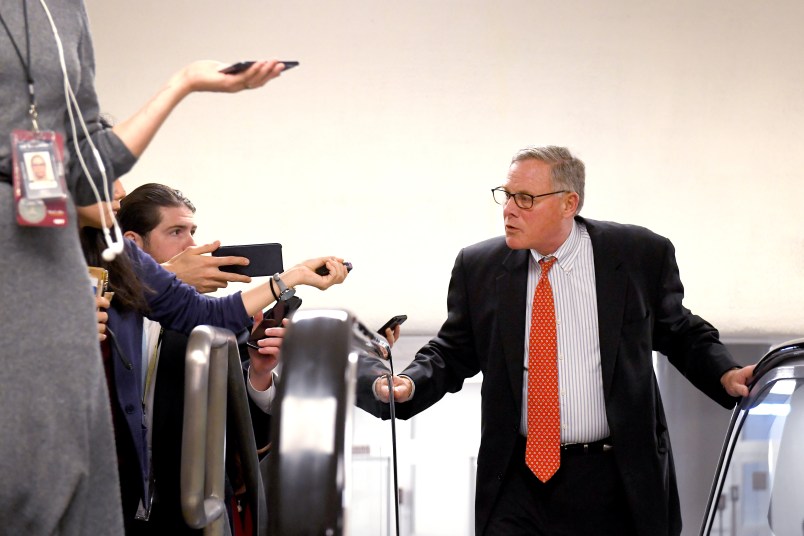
<point x="114" y="249"/>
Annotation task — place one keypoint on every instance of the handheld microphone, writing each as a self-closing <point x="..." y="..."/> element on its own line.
<point x="323" y="270"/>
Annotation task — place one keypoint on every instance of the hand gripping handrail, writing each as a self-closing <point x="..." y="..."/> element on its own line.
<point x="213" y="376"/>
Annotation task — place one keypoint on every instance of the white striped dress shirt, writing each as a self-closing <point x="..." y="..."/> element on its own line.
<point x="580" y="380"/>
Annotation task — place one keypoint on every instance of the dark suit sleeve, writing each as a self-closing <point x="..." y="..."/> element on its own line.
<point x="443" y="364"/>
<point x="369" y="368"/>
<point x="691" y="344"/>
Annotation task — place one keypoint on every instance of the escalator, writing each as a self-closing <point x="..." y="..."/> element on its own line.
<point x="758" y="488"/>
<point x="303" y="487"/>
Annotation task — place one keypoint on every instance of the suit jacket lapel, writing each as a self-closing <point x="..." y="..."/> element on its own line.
<point x="611" y="282"/>
<point x="512" y="287"/>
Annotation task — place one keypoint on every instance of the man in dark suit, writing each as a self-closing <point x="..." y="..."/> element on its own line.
<point x="614" y="297"/>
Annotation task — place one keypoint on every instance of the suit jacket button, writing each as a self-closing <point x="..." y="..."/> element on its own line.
<point x="129" y="409"/>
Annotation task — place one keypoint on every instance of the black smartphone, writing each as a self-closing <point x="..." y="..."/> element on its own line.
<point x="264" y="259"/>
<point x="238" y="67"/>
<point x="323" y="270"/>
<point x="392" y="323"/>
<point x="273" y="318"/>
<point x="241" y="66"/>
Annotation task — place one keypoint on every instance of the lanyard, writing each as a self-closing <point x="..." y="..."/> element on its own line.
<point x="26" y="66"/>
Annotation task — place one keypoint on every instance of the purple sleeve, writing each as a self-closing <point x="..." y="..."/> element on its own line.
<point x="179" y="306"/>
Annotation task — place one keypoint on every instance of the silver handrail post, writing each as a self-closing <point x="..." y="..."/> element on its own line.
<point x="209" y="350"/>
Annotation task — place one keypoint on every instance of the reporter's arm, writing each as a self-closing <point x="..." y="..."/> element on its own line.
<point x="259" y="297"/>
<point x="137" y="131"/>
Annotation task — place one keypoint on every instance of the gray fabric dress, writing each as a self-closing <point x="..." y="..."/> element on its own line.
<point x="57" y="454"/>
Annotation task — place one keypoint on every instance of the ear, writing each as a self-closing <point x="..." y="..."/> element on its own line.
<point x="131" y="235"/>
<point x="571" y="203"/>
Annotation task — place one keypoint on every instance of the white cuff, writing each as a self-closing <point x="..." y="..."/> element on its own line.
<point x="412" y="386"/>
<point x="384" y="378"/>
<point x="263" y="399"/>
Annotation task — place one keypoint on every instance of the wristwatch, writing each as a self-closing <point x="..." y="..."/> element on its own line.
<point x="285" y="293"/>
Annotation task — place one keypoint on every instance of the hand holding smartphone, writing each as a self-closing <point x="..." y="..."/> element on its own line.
<point x="392" y="323"/>
<point x="264" y="259"/>
<point x="273" y="319"/>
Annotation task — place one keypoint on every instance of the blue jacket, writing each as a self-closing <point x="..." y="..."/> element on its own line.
<point x="176" y="306"/>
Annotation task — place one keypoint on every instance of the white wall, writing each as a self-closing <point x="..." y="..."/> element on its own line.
<point x="382" y="146"/>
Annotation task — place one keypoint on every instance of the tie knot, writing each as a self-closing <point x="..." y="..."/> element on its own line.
<point x="547" y="263"/>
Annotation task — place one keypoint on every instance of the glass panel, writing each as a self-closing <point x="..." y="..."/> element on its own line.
<point x="763" y="492"/>
<point x="370" y="487"/>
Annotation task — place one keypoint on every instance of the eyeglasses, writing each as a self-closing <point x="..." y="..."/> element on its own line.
<point x="522" y="200"/>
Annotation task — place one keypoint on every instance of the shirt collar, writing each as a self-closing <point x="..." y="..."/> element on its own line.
<point x="567" y="253"/>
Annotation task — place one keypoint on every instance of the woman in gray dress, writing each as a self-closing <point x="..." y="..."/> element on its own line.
<point x="57" y="453"/>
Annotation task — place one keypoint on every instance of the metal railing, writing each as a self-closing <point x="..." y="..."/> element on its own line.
<point x="310" y="460"/>
<point x="215" y="388"/>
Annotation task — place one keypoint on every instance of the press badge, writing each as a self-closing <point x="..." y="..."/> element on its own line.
<point x="40" y="189"/>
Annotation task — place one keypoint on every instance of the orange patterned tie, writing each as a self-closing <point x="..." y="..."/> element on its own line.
<point x="543" y="451"/>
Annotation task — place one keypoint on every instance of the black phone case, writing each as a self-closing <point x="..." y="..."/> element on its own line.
<point x="238" y="67"/>
<point x="394" y="322"/>
<point x="264" y="259"/>
<point x="273" y="318"/>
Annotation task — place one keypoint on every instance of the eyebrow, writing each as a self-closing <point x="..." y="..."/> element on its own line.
<point x="182" y="227"/>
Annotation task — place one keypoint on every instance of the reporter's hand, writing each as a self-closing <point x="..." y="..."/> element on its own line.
<point x="255" y="299"/>
<point x="205" y="75"/>
<point x="304" y="273"/>
<point x="202" y="271"/>
<point x="403" y="387"/>
<point x="137" y="131"/>
<point x="102" y="316"/>
<point x="266" y="358"/>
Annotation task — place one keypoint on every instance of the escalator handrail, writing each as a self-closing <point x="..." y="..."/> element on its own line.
<point x="767" y="372"/>
<point x="214" y="382"/>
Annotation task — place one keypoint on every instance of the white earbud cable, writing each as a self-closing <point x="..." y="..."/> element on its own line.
<point x="114" y="248"/>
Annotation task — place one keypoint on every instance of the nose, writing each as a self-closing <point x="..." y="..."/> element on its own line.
<point x="510" y="207"/>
